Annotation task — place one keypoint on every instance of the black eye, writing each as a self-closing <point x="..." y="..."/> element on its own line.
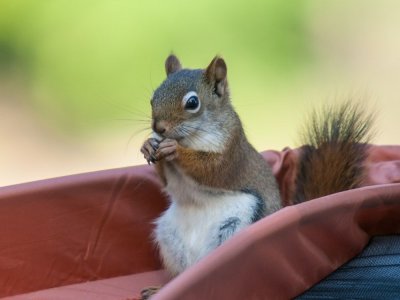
<point x="192" y="103"/>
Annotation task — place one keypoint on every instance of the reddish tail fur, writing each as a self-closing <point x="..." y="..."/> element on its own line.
<point x="333" y="160"/>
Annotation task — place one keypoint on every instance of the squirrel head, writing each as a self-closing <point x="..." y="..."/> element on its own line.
<point x="193" y="106"/>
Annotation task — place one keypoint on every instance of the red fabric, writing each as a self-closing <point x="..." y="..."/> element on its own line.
<point x="78" y="228"/>
<point x="117" y="288"/>
<point x="284" y="167"/>
<point x="94" y="226"/>
<point x="383" y="165"/>
<point x="283" y="255"/>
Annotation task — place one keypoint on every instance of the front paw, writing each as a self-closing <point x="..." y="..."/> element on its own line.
<point x="149" y="150"/>
<point x="167" y="150"/>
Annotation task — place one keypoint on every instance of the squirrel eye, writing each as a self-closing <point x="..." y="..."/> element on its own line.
<point x="191" y="102"/>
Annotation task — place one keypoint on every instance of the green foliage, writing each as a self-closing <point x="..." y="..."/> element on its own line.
<point x="91" y="61"/>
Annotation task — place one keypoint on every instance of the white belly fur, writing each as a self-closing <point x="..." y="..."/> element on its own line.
<point x="191" y="227"/>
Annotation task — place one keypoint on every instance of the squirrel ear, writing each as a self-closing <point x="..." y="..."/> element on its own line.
<point x="216" y="75"/>
<point x="172" y="64"/>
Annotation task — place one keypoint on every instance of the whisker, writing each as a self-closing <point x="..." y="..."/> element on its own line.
<point x="201" y="139"/>
<point x="132" y="120"/>
<point x="195" y="128"/>
<point x="134" y="135"/>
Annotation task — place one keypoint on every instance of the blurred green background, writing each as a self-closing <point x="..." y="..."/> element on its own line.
<point x="76" y="76"/>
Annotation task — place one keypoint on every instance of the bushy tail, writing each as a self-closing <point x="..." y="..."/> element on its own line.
<point x="336" y="140"/>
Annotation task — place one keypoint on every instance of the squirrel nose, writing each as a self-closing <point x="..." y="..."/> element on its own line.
<point x="159" y="126"/>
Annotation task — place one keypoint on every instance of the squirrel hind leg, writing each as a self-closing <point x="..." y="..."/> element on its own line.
<point x="336" y="143"/>
<point x="149" y="292"/>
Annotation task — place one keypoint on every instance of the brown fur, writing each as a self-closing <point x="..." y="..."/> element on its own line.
<point x="239" y="167"/>
<point x="333" y="160"/>
<point x="172" y="64"/>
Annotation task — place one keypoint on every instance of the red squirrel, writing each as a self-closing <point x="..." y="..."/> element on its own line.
<point x="216" y="181"/>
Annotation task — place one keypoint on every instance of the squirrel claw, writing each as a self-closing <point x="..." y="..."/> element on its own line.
<point x="148" y="292"/>
<point x="154" y="144"/>
<point x="149" y="149"/>
<point x="167" y="150"/>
